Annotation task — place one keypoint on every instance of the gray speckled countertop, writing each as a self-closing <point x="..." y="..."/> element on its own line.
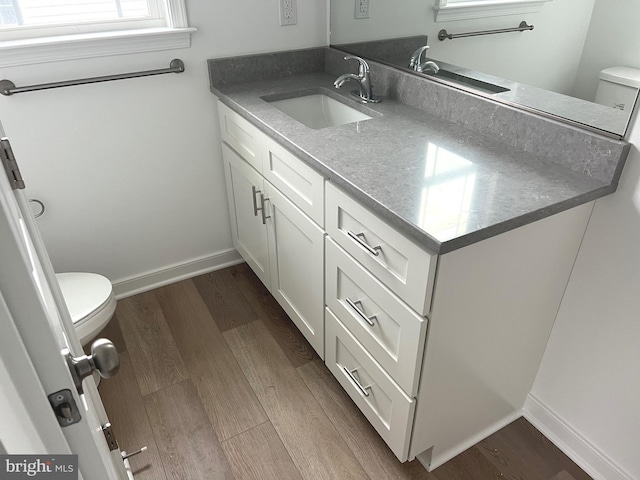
<point x="440" y="183"/>
<point x="397" y="51"/>
<point x="598" y="116"/>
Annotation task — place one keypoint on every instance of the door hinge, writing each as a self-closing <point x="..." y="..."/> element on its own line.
<point x="109" y="436"/>
<point x="10" y="165"/>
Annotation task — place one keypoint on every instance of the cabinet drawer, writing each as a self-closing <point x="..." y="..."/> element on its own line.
<point x="240" y="135"/>
<point x="299" y="182"/>
<point x="386" y="407"/>
<point x="407" y="269"/>
<point x="390" y="331"/>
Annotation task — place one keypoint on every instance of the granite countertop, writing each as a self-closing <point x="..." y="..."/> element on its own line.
<point x="436" y="181"/>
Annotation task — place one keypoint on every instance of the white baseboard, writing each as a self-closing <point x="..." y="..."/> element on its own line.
<point x="174" y="273"/>
<point x="586" y="455"/>
<point x="431" y="462"/>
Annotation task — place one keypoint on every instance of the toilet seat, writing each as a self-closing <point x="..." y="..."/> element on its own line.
<point x="90" y="300"/>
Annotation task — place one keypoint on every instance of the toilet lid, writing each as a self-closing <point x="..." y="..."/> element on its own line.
<point x="84" y="292"/>
<point x="622" y="75"/>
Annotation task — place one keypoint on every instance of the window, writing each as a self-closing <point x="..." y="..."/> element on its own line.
<point x="35" y="31"/>
<point x="446" y="10"/>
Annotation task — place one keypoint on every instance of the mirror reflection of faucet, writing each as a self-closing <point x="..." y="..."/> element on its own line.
<point x="362" y="80"/>
<point x="422" y="67"/>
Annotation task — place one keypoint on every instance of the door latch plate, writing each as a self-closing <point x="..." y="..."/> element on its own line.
<point x="109" y="436"/>
<point x="65" y="408"/>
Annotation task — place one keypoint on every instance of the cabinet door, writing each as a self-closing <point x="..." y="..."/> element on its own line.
<point x="296" y="248"/>
<point x="244" y="189"/>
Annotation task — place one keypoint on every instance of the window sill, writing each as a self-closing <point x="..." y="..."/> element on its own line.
<point x="70" y="47"/>
<point x="496" y="8"/>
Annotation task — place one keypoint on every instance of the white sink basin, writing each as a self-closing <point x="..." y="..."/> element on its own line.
<point x="319" y="111"/>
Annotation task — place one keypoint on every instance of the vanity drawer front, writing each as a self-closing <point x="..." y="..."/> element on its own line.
<point x="384" y="404"/>
<point x="240" y="135"/>
<point x="395" y="337"/>
<point x="298" y="181"/>
<point x="407" y="269"/>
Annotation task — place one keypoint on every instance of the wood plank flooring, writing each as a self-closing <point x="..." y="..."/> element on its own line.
<point x="219" y="384"/>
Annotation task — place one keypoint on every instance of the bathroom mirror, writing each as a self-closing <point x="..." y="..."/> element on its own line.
<point x="553" y="69"/>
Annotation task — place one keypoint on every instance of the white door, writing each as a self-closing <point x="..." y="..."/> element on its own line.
<point x="35" y="316"/>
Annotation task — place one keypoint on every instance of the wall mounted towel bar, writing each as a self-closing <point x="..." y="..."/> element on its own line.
<point x="7" y="87"/>
<point x="443" y="35"/>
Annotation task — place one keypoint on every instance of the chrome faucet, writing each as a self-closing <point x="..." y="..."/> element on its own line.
<point x="428" y="66"/>
<point x="414" y="61"/>
<point x="362" y="80"/>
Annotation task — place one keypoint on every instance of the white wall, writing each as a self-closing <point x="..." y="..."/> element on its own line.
<point x="590" y="373"/>
<point x="613" y="39"/>
<point x="546" y="57"/>
<point x="589" y="380"/>
<point x="131" y="171"/>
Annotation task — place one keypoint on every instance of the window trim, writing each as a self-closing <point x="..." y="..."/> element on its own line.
<point x="446" y="11"/>
<point x="116" y="42"/>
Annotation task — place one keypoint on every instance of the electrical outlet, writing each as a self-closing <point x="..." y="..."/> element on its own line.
<point x="362" y="8"/>
<point x="288" y="12"/>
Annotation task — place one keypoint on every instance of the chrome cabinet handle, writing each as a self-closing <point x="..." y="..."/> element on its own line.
<point x="262" y="209"/>
<point x="356" y="383"/>
<point x="357" y="306"/>
<point x="358" y="238"/>
<point x="255" y="202"/>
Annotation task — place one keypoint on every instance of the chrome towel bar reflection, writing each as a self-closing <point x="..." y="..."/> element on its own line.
<point x="7" y="87"/>
<point x="443" y="34"/>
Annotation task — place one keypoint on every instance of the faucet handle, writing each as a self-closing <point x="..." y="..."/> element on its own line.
<point x="363" y="69"/>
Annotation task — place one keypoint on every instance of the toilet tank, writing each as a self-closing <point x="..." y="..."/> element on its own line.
<point x="618" y="87"/>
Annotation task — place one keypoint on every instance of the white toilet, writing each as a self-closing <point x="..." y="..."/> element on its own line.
<point x="90" y="300"/>
<point x="618" y="87"/>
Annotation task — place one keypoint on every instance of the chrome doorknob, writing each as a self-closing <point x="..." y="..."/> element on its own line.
<point x="104" y="359"/>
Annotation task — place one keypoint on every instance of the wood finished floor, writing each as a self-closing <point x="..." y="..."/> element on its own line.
<point x="219" y="384"/>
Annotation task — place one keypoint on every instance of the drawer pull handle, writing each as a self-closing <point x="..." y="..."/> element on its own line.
<point x="255" y="202"/>
<point x="357" y="306"/>
<point x="359" y="239"/>
<point x="262" y="209"/>
<point x="356" y="383"/>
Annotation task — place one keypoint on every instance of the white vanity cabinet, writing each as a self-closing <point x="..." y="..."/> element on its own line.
<point x="278" y="231"/>
<point x="378" y="287"/>
<point x="438" y="359"/>
<point x="437" y="351"/>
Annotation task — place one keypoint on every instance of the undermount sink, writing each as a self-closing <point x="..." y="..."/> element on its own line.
<point x="318" y="111"/>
